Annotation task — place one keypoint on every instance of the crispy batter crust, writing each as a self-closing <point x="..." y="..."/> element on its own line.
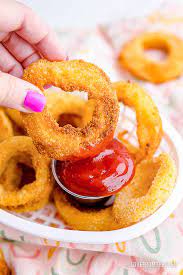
<point x="149" y="124"/>
<point x="68" y="142"/>
<point x="15" y="147"/>
<point x="35" y="204"/>
<point x="6" y="128"/>
<point x="133" y="58"/>
<point x="150" y="188"/>
<point x="83" y="218"/>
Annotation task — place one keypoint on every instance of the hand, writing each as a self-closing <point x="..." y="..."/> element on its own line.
<point x="24" y="38"/>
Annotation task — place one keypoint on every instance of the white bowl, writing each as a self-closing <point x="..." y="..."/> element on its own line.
<point x="28" y="224"/>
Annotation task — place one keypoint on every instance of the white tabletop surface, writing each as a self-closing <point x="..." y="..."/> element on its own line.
<point x="87" y="13"/>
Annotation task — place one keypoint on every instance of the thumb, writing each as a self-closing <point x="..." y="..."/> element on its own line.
<point x="21" y="95"/>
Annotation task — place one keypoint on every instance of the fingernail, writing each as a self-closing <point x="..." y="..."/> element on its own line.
<point x="34" y="101"/>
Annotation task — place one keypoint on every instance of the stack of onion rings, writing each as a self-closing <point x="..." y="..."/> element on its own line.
<point x="69" y="143"/>
<point x="133" y="58"/>
<point x="85" y="129"/>
<point x="149" y="124"/>
<point x="10" y="180"/>
<point x="151" y="186"/>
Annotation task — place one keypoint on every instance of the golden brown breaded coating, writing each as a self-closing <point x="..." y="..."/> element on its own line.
<point x="81" y="218"/>
<point x="149" y="124"/>
<point x="133" y="58"/>
<point x="67" y="142"/>
<point x="15" y="147"/>
<point x="6" y="128"/>
<point x="150" y="188"/>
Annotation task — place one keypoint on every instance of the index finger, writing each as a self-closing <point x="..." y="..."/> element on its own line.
<point x="31" y="28"/>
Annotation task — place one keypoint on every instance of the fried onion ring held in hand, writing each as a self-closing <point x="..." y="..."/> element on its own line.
<point x="69" y="143"/>
<point x="150" y="188"/>
<point x="132" y="57"/>
<point x="6" y="129"/>
<point x="4" y="270"/>
<point x="149" y="124"/>
<point x="29" y="193"/>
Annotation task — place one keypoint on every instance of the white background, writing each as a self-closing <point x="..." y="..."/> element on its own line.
<point x="87" y="13"/>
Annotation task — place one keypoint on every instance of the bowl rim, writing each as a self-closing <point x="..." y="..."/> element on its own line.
<point x="107" y="237"/>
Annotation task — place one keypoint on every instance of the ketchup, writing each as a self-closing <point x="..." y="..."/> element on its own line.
<point x="102" y="175"/>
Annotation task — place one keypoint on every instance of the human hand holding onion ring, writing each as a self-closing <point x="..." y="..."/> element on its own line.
<point x="24" y="38"/>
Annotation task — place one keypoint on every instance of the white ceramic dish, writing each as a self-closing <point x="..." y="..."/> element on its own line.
<point x="30" y="223"/>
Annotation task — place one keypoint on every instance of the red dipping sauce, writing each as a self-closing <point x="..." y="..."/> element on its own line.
<point x="102" y="175"/>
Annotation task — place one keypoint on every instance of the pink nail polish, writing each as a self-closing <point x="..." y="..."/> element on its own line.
<point x="34" y="101"/>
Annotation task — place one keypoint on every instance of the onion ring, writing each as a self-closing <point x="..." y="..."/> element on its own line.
<point x="34" y="205"/>
<point x="11" y="179"/>
<point x="133" y="58"/>
<point x="150" y="188"/>
<point x="69" y="143"/>
<point x="15" y="147"/>
<point x="149" y="124"/>
<point x="6" y="129"/>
